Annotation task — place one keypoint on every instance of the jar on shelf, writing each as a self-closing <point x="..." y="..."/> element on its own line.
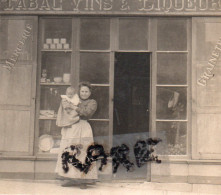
<point x="66" y="77"/>
<point x="44" y="73"/>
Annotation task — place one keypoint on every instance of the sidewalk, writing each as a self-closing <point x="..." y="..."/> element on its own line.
<point x="113" y="188"/>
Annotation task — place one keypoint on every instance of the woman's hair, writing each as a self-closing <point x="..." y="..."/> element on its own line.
<point x="85" y="84"/>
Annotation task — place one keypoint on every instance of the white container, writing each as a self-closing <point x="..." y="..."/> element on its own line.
<point x="66" y="77"/>
<point x="66" y="46"/>
<point x="52" y="46"/>
<point x="63" y="41"/>
<point x="57" y="79"/>
<point x="49" y="41"/>
<point x="59" y="46"/>
<point x="46" y="46"/>
<point x="55" y="41"/>
<point x="43" y="80"/>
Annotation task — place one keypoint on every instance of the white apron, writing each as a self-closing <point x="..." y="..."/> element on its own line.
<point x="79" y="133"/>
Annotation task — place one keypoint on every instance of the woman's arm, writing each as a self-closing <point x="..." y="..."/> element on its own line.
<point x="88" y="109"/>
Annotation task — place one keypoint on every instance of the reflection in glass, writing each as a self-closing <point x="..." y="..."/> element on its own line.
<point x="171" y="103"/>
<point x="94" y="67"/>
<point x="171" y="68"/>
<point x="95" y="34"/>
<point x="174" y="138"/>
<point x="172" y="34"/>
<point x="130" y="37"/>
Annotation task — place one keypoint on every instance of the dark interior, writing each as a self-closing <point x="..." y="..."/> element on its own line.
<point x="131" y="92"/>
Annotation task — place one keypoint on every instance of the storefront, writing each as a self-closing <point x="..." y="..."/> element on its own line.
<point x="154" y="67"/>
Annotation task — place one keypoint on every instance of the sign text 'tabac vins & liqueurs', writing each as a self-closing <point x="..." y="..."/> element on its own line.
<point x="148" y="7"/>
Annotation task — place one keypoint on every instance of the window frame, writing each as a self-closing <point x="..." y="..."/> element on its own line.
<point x="188" y="85"/>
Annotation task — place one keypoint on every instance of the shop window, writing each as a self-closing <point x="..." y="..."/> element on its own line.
<point x="101" y="133"/>
<point x="55" y="75"/>
<point x="58" y="29"/>
<point x="95" y="34"/>
<point x="171" y="35"/>
<point x="101" y="95"/>
<point x="172" y="85"/>
<point x="100" y="128"/>
<point x="95" y="67"/>
<point x="171" y="103"/>
<point x="171" y="68"/>
<point x="56" y="64"/>
<point x="174" y="135"/>
<point x="133" y="34"/>
<point x="95" y="64"/>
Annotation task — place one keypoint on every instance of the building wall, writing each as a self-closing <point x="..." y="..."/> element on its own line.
<point x="196" y="46"/>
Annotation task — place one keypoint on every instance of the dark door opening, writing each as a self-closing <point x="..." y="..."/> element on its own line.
<point x="131" y="107"/>
<point x="131" y="92"/>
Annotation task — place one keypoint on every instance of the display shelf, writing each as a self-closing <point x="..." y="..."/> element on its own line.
<point x="95" y="119"/>
<point x="56" y="50"/>
<point x="47" y="118"/>
<point x="53" y="84"/>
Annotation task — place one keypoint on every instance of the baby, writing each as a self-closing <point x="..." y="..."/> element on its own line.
<point x="67" y="114"/>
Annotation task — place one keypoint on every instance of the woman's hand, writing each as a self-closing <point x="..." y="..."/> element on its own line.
<point x="73" y="107"/>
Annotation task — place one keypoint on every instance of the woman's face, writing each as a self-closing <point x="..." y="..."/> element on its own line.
<point x="84" y="92"/>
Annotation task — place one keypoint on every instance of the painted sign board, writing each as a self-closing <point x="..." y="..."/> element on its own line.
<point x="137" y="7"/>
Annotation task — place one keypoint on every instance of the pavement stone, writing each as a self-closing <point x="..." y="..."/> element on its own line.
<point x="33" y="187"/>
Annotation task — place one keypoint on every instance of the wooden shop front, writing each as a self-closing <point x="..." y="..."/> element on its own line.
<point x="154" y="67"/>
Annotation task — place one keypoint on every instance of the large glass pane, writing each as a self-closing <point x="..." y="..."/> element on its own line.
<point x="101" y="95"/>
<point x="49" y="127"/>
<point x="174" y="138"/>
<point x="171" y="68"/>
<point x="95" y="34"/>
<point x="58" y="31"/>
<point x="171" y="103"/>
<point x="50" y="99"/>
<point x="56" y="64"/>
<point x="16" y="35"/>
<point x="94" y="67"/>
<point x="172" y="34"/>
<point x="133" y="34"/>
<point x="101" y="133"/>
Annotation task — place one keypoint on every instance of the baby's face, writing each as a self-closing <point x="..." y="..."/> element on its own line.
<point x="70" y="94"/>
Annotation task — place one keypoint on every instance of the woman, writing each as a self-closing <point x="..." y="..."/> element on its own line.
<point x="79" y="133"/>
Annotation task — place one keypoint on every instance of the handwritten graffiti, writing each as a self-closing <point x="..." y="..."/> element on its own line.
<point x="143" y="150"/>
<point x="119" y="156"/>
<point x="94" y="153"/>
<point x="69" y="157"/>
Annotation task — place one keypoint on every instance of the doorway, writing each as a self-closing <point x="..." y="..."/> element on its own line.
<point x="131" y="105"/>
